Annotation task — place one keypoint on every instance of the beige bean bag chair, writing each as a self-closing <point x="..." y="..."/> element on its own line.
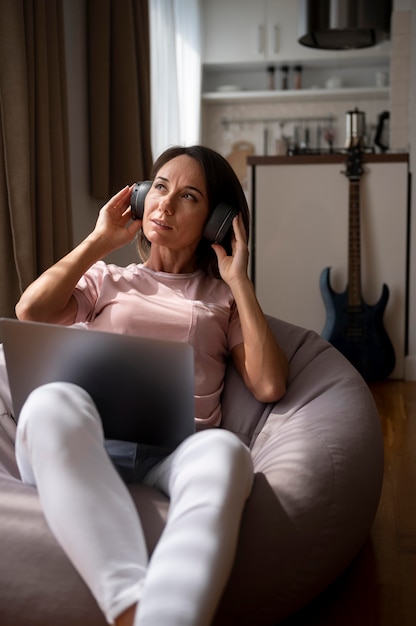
<point x="318" y="457"/>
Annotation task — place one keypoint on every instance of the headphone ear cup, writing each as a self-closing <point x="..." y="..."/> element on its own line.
<point x="138" y="195"/>
<point x="219" y="223"/>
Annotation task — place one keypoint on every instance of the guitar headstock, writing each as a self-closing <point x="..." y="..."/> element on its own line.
<point x="354" y="163"/>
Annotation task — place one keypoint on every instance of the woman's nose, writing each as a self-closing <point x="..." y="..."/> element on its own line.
<point x="166" y="205"/>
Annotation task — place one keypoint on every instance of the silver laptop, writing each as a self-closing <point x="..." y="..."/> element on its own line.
<point x="143" y="388"/>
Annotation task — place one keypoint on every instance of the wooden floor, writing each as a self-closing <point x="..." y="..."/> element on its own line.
<point x="379" y="589"/>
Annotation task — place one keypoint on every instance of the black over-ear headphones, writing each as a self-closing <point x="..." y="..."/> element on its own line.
<point x="217" y="226"/>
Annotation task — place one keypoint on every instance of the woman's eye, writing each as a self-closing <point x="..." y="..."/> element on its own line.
<point x="188" y="196"/>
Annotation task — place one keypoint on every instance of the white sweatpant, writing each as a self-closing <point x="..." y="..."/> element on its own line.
<point x="60" y="449"/>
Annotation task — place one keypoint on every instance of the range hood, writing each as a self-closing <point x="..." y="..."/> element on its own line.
<point x="343" y="24"/>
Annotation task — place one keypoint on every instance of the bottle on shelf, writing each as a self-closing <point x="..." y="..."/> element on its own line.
<point x="297" y="77"/>
<point x="284" y="77"/>
<point x="270" y="77"/>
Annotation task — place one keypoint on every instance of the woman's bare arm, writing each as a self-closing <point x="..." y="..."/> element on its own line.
<point x="50" y="297"/>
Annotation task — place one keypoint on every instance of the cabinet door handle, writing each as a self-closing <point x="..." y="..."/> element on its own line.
<point x="275" y="38"/>
<point x="261" y="39"/>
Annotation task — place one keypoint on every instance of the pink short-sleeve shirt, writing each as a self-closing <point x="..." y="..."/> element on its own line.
<point x="193" y="308"/>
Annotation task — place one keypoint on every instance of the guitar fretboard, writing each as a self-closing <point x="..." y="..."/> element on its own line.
<point x="354" y="245"/>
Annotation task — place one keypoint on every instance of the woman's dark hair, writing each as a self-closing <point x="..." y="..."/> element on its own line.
<point x="222" y="186"/>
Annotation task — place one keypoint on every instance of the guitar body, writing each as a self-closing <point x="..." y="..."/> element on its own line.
<point x="358" y="331"/>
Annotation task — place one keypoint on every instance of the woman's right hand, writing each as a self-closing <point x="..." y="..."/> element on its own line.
<point x="114" y="223"/>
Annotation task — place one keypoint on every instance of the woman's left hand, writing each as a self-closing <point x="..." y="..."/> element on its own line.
<point x="258" y="358"/>
<point x="233" y="268"/>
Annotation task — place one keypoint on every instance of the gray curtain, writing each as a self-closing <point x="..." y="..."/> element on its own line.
<point x="35" y="217"/>
<point x="119" y="94"/>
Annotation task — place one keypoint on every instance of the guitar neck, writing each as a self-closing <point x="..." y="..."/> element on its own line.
<point x="354" y="245"/>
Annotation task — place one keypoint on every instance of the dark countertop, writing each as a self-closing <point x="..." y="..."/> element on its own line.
<point x="335" y="157"/>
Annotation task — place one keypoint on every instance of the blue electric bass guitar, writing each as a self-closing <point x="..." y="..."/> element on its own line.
<point x="355" y="328"/>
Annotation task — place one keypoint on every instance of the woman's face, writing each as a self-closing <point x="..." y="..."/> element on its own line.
<point x="176" y="206"/>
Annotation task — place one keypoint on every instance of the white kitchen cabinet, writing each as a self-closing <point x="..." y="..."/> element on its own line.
<point x="258" y="31"/>
<point x="243" y="31"/>
<point x="300" y="226"/>
<point x="237" y="32"/>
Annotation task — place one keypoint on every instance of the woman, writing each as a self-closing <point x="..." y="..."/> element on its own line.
<point x="186" y="289"/>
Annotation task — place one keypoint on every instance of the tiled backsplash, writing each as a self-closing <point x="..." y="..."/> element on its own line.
<point x="222" y="137"/>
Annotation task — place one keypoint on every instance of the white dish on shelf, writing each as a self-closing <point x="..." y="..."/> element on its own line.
<point x="333" y="82"/>
<point x="229" y="88"/>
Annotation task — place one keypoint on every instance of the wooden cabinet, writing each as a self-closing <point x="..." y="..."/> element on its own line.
<point x="300" y="226"/>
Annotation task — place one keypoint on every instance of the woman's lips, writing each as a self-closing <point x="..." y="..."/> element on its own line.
<point x="162" y="225"/>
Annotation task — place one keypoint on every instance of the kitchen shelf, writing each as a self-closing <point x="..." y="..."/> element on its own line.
<point x="294" y="95"/>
